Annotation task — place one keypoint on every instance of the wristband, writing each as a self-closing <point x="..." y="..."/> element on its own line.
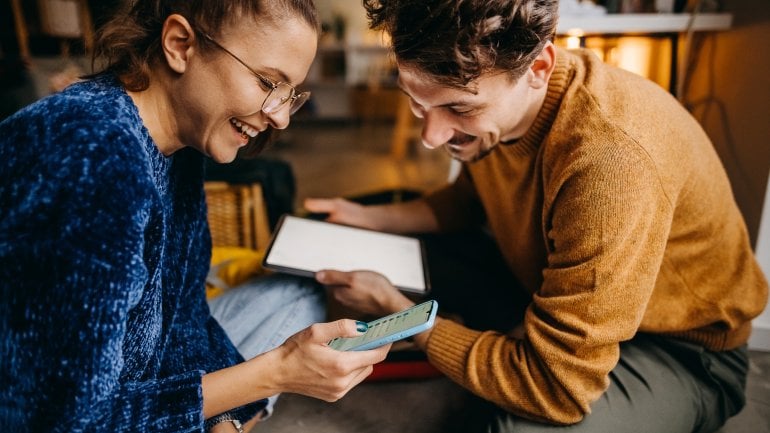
<point x="237" y="424"/>
<point x="225" y="418"/>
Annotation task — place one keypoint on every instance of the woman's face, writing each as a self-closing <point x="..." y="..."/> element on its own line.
<point x="218" y="100"/>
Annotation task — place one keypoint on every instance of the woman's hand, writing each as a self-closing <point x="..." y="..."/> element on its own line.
<point x="340" y="211"/>
<point x="307" y="365"/>
<point x="364" y="291"/>
<point x="303" y="364"/>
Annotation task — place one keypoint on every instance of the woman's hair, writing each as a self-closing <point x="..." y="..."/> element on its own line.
<point x="129" y="43"/>
<point x="455" y="41"/>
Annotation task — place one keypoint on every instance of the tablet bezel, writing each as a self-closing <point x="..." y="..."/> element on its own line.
<point x="308" y="273"/>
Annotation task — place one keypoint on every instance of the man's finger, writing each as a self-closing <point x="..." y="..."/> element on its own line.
<point x="332" y="277"/>
<point x="319" y="205"/>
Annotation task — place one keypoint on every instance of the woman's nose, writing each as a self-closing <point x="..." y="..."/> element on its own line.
<point x="279" y="119"/>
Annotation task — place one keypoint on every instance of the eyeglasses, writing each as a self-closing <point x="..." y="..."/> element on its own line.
<point x="278" y="93"/>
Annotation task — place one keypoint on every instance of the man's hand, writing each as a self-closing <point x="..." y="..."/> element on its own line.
<point x="413" y="216"/>
<point x="371" y="293"/>
<point x="364" y="291"/>
<point x="340" y="211"/>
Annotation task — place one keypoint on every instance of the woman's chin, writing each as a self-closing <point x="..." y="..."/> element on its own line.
<point x="223" y="157"/>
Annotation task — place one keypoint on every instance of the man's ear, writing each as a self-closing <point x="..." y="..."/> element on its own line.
<point x="177" y="41"/>
<point x="541" y="69"/>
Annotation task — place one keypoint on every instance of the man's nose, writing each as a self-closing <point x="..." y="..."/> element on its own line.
<point x="435" y="130"/>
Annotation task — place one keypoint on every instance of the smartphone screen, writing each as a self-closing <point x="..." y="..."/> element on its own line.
<point x="390" y="328"/>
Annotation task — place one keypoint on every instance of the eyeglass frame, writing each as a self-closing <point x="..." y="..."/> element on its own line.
<point x="266" y="82"/>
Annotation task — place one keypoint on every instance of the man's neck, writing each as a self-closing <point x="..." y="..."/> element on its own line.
<point x="535" y="104"/>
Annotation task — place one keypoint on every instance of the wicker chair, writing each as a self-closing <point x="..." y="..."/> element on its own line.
<point x="237" y="215"/>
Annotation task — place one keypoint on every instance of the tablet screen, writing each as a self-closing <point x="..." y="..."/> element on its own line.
<point x="303" y="246"/>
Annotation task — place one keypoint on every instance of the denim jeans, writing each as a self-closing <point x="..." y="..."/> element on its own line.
<point x="262" y="313"/>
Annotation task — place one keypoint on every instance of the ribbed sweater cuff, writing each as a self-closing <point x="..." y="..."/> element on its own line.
<point x="177" y="404"/>
<point x="449" y="346"/>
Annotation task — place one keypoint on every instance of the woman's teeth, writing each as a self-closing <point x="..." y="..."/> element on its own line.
<point x="245" y="129"/>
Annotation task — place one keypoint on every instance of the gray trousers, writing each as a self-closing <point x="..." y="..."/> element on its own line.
<point x="659" y="386"/>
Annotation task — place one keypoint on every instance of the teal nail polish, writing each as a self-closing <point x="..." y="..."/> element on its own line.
<point x="361" y="326"/>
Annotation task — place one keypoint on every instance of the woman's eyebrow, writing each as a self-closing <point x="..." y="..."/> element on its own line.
<point x="279" y="73"/>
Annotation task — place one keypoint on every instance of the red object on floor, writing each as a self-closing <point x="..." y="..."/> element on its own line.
<point x="402" y="370"/>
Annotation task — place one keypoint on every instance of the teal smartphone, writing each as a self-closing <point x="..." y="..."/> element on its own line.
<point x="394" y="327"/>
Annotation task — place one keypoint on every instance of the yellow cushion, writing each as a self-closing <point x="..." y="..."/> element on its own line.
<point x="231" y="266"/>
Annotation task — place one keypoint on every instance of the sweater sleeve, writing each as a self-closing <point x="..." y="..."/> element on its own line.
<point x="71" y="269"/>
<point x="606" y="236"/>
<point x="196" y="340"/>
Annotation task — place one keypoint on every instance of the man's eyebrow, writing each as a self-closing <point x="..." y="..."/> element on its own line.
<point x="459" y="103"/>
<point x="455" y="103"/>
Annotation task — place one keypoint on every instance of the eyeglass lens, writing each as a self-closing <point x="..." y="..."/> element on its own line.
<point x="281" y="94"/>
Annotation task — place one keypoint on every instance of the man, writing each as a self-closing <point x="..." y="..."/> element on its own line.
<point x="610" y="207"/>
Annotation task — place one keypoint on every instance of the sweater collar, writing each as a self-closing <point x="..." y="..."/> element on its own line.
<point x="557" y="86"/>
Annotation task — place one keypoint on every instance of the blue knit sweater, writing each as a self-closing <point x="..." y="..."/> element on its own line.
<point x="104" y="248"/>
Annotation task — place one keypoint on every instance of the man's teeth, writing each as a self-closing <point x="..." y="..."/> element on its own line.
<point x="245" y="129"/>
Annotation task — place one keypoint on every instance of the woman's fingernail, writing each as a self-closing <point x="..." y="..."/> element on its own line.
<point x="361" y="326"/>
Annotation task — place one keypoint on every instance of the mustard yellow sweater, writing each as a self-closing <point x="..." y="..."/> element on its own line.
<point x="616" y="214"/>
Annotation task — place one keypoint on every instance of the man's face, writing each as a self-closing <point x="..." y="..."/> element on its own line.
<point x="469" y="122"/>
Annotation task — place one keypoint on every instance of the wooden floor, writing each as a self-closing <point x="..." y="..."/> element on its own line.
<point x="352" y="159"/>
<point x="347" y="160"/>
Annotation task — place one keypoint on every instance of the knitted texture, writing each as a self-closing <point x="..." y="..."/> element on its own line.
<point x="615" y="212"/>
<point x="104" y="248"/>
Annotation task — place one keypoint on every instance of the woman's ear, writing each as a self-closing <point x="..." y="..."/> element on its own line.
<point x="541" y="69"/>
<point x="177" y="41"/>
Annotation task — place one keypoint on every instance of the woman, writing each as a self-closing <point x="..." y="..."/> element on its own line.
<point x="104" y="245"/>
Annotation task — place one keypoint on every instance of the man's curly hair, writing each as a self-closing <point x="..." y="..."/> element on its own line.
<point x="455" y="41"/>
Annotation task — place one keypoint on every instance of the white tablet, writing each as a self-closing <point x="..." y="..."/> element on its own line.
<point x="303" y="246"/>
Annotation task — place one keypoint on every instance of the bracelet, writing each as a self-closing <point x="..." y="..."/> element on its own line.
<point x="226" y="418"/>
<point x="237" y="424"/>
